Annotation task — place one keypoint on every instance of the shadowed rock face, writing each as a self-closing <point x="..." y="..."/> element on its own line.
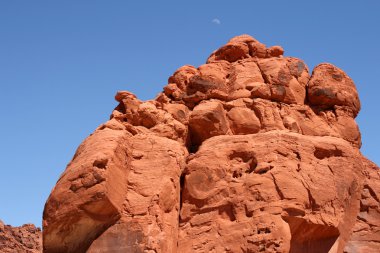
<point x="246" y="153"/>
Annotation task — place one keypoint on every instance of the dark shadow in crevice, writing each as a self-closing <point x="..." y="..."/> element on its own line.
<point x="193" y="149"/>
<point x="182" y="184"/>
<point x="322" y="153"/>
<point x="243" y="157"/>
<point x="309" y="237"/>
<point x="227" y="212"/>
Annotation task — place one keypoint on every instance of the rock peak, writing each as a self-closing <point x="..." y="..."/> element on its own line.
<point x="242" y="47"/>
<point x="245" y="153"/>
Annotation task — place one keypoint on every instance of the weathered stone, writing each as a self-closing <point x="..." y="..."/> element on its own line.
<point x="365" y="235"/>
<point x="266" y="190"/>
<point x="182" y="75"/>
<point x="247" y="153"/>
<point x="330" y="86"/>
<point x="281" y="75"/>
<point x="88" y="197"/>
<point x="207" y="119"/>
<point x="26" y="238"/>
<point x="231" y="52"/>
<point x="243" y="121"/>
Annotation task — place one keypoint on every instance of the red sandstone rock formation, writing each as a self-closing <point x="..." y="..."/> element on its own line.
<point x="246" y="153"/>
<point x="24" y="239"/>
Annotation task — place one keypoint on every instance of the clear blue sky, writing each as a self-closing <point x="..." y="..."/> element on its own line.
<point x="61" y="62"/>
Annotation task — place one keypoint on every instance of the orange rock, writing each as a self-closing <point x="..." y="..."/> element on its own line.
<point x="243" y="121"/>
<point x="266" y="191"/>
<point x="88" y="197"/>
<point x="246" y="153"/>
<point x="282" y="75"/>
<point x="207" y="119"/>
<point x="365" y="236"/>
<point x="182" y="75"/>
<point x="231" y="52"/>
<point x="330" y="86"/>
<point x="26" y="238"/>
<point x="275" y="51"/>
<point x="212" y="76"/>
<point x="244" y="73"/>
<point x="257" y="49"/>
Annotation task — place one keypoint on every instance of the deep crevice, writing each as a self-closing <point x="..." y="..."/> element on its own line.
<point x="181" y="185"/>
<point x="307" y="237"/>
<point x="312" y="203"/>
<point x="277" y="188"/>
<point x="264" y="76"/>
<point x="371" y="192"/>
<point x="298" y="155"/>
<point x="193" y="149"/>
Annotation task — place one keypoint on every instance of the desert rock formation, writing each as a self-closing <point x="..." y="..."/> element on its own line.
<point x="246" y="153"/>
<point x="24" y="239"/>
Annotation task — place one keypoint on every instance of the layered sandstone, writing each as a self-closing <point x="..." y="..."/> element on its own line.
<point x="24" y="239"/>
<point x="246" y="153"/>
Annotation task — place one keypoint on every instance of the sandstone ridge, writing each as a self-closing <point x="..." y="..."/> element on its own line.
<point x="246" y="153"/>
<point x="26" y="238"/>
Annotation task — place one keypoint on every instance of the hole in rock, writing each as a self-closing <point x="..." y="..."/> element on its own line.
<point x="121" y="108"/>
<point x="263" y="169"/>
<point x="248" y="213"/>
<point x="265" y="230"/>
<point x="236" y="174"/>
<point x="243" y="157"/>
<point x="100" y="163"/>
<point x="322" y="153"/>
<point x="252" y="166"/>
<point x="309" y="237"/>
<point x="193" y="148"/>
<point x="298" y="155"/>
<point x="227" y="212"/>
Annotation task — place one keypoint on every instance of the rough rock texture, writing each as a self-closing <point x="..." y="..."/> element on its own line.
<point x="246" y="153"/>
<point x="24" y="239"/>
<point x="365" y="235"/>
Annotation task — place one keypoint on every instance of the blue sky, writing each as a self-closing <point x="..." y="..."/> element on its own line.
<point x="61" y="62"/>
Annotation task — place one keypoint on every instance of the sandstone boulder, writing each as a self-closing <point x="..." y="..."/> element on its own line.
<point x="330" y="86"/>
<point x="207" y="119"/>
<point x="243" y="121"/>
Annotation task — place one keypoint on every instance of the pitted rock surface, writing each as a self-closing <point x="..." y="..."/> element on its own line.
<point x="246" y="153"/>
<point x="24" y="239"/>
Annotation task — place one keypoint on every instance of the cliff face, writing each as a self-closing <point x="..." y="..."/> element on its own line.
<point x="246" y="153"/>
<point x="24" y="239"/>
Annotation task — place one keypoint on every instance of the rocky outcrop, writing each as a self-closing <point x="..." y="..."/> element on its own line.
<point x="24" y="239"/>
<point x="246" y="153"/>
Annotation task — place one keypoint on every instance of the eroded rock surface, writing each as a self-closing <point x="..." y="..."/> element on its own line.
<point x="24" y="239"/>
<point x="246" y="153"/>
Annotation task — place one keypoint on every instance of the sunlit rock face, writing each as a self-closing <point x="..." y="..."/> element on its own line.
<point x="246" y="153"/>
<point x="26" y="238"/>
